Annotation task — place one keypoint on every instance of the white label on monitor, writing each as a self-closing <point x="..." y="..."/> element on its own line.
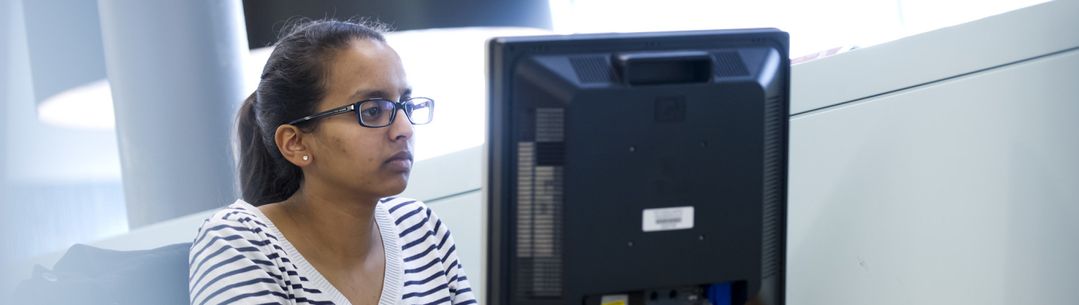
<point x="667" y="219"/>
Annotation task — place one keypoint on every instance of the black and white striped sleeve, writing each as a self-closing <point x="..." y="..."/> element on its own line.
<point x="231" y="263"/>
<point x="460" y="288"/>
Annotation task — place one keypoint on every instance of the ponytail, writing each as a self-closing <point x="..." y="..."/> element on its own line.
<point x="265" y="175"/>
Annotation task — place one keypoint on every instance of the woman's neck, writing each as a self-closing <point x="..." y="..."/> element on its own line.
<point x="340" y="228"/>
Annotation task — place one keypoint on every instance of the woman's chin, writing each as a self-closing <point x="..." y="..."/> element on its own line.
<point x="396" y="185"/>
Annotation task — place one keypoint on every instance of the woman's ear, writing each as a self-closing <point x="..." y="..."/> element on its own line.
<point x="290" y="141"/>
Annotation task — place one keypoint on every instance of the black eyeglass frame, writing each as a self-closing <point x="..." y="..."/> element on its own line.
<point x="355" y="108"/>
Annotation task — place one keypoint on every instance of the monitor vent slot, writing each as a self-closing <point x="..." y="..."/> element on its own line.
<point x="539" y="208"/>
<point x="729" y="64"/>
<point x="773" y="186"/>
<point x="549" y="124"/>
<point x="592" y="69"/>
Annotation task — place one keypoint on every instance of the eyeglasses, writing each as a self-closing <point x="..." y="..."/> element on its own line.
<point x="380" y="112"/>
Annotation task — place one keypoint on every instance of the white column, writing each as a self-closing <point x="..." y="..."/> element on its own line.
<point x="175" y="69"/>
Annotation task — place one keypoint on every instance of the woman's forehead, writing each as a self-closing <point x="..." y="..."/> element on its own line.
<point x="366" y="70"/>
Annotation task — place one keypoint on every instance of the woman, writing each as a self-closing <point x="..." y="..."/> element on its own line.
<point x="325" y="138"/>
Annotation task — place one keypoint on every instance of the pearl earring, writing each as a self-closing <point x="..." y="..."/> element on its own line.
<point x="305" y="158"/>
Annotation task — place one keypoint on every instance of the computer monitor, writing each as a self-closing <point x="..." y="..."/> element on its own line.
<point x="638" y="168"/>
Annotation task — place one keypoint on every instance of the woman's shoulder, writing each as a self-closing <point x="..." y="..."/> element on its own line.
<point x="237" y="223"/>
<point x="235" y="256"/>
<point x="408" y="214"/>
<point x="399" y="207"/>
<point x="237" y="214"/>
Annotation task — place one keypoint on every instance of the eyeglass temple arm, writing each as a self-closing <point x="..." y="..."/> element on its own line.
<point x="324" y="114"/>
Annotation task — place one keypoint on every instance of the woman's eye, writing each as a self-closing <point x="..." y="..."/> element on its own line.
<point x="372" y="112"/>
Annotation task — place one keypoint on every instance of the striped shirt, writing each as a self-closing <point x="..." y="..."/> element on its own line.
<point x="239" y="257"/>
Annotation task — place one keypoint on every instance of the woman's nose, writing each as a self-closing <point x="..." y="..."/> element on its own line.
<point x="401" y="128"/>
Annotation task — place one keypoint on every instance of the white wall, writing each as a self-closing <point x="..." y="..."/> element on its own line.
<point x="940" y="169"/>
<point x="41" y="152"/>
<point x="57" y="185"/>
<point x="5" y="64"/>
<point x="965" y="191"/>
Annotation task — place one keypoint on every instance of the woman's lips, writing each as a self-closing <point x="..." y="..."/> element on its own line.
<point x="401" y="161"/>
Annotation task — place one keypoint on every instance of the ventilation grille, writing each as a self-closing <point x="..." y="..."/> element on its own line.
<point x="549" y="125"/>
<point x="773" y="166"/>
<point x="729" y="64"/>
<point x="592" y="69"/>
<point x="539" y="208"/>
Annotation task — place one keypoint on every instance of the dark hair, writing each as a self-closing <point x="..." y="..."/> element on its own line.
<point x="293" y="82"/>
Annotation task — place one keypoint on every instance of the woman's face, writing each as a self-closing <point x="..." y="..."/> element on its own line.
<point x="346" y="156"/>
